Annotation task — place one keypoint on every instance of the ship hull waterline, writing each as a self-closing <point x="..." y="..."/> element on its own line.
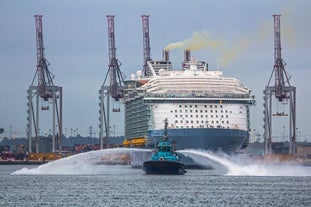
<point x="208" y="139"/>
<point x="163" y="167"/>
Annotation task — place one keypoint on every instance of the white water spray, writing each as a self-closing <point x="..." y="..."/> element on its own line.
<point x="245" y="166"/>
<point x="93" y="162"/>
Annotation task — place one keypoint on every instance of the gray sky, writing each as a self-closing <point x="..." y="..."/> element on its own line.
<point x="75" y="40"/>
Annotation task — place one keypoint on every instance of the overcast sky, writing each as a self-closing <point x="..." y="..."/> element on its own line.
<point x="75" y="40"/>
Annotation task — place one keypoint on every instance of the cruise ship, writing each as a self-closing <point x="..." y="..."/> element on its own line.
<point x="204" y="109"/>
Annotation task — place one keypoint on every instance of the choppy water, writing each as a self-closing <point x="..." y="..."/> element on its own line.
<point x="77" y="181"/>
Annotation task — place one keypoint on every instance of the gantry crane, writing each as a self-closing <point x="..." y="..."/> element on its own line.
<point x="44" y="93"/>
<point x="113" y="88"/>
<point x="282" y="91"/>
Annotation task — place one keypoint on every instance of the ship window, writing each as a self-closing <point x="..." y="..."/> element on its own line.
<point x="171" y="111"/>
<point x="185" y="106"/>
<point x="211" y="111"/>
<point x="190" y="106"/>
<point x="216" y="116"/>
<point x="211" y="106"/>
<point x="190" y="111"/>
<point x="216" y="111"/>
<point x="205" y="106"/>
<point x="240" y="112"/>
<point x="175" y="111"/>
<point x="180" y="111"/>
<point x="180" y="115"/>
<point x="212" y="116"/>
<point x="195" y="106"/>
<point x="176" y="121"/>
<point x="187" y="121"/>
<point x="186" y="111"/>
<point x="176" y="127"/>
<point x="223" y="122"/>
<point x="176" y="115"/>
<point x="222" y="116"/>
<point x="216" y="122"/>
<point x="230" y="112"/>
<point x="220" y="106"/>
<point x="197" y="122"/>
<point x="212" y="122"/>
<point x="201" y="116"/>
<point x="205" y="111"/>
<point x="202" y="122"/>
<point x="179" y="106"/>
<point x="181" y="121"/>
<point x="226" y="111"/>
<point x="191" y="121"/>
<point x="215" y="106"/>
<point x="186" y="115"/>
<point x="191" y="115"/>
<point x="201" y="111"/>
<point x="197" y="116"/>
<point x="227" y="116"/>
<point x="227" y="122"/>
<point x="206" y="116"/>
<point x="196" y="111"/>
<point x="206" y="122"/>
<point x="221" y="111"/>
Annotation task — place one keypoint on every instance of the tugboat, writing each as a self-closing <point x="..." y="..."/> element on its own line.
<point x="164" y="160"/>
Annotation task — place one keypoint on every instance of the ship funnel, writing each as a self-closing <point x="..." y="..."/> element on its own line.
<point x="187" y="55"/>
<point x="165" y="55"/>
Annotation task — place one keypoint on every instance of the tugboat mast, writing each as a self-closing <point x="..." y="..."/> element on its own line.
<point x="165" y="130"/>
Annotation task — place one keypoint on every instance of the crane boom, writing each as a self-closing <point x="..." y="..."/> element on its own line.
<point x="279" y="64"/>
<point x="146" y="43"/>
<point x="44" y="75"/>
<point x="115" y="74"/>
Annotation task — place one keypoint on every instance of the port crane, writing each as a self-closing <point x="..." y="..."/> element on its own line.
<point x="41" y="94"/>
<point x="112" y="86"/>
<point x="282" y="91"/>
<point x="146" y="44"/>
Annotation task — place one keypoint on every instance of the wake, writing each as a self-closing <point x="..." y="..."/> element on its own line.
<point x="245" y="166"/>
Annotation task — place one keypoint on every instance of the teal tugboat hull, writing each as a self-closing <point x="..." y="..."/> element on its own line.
<point x="163" y="167"/>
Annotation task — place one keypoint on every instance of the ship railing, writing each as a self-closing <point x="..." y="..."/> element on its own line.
<point x="220" y="96"/>
<point x="198" y="95"/>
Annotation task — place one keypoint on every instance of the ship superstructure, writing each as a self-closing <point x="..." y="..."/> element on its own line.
<point x="204" y="109"/>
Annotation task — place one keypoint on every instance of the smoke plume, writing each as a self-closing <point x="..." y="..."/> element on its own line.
<point x="198" y="41"/>
<point x="230" y="50"/>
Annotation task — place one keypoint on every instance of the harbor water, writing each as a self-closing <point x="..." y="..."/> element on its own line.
<point x="79" y="181"/>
